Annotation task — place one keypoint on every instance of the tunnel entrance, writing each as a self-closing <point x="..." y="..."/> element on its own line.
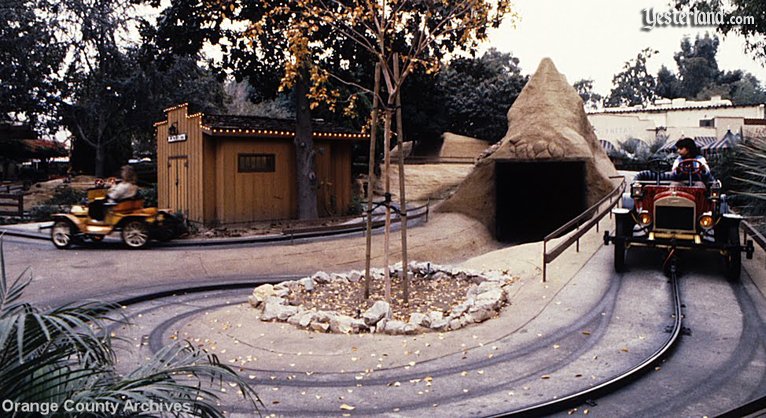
<point x="535" y="198"/>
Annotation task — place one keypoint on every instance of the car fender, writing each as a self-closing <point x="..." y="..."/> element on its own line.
<point x="135" y="216"/>
<point x="77" y="223"/>
<point x="627" y="201"/>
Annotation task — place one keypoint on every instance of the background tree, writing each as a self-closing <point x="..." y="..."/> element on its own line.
<point x="634" y="85"/>
<point x="30" y="59"/>
<point x="116" y="88"/>
<point x="699" y="77"/>
<point x="479" y="92"/>
<point x="401" y="35"/>
<point x="753" y="33"/>
<point x="590" y="98"/>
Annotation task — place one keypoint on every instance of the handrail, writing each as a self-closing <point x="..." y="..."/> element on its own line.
<point x="593" y="218"/>
<point x="292" y="232"/>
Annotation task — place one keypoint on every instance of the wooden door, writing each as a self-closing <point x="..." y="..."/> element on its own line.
<point x="178" y="184"/>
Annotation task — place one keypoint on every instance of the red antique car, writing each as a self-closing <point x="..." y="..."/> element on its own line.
<point x="664" y="212"/>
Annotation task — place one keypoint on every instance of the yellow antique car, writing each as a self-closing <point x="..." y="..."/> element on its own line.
<point x="137" y="225"/>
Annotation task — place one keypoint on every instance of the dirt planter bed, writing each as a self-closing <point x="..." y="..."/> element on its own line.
<point x="441" y="299"/>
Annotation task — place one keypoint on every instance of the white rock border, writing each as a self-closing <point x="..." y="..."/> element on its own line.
<point x="488" y="294"/>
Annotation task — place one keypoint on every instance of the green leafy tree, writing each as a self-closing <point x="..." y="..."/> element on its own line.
<point x="697" y="64"/>
<point x="30" y="58"/>
<point x="479" y="92"/>
<point x="699" y="77"/>
<point x="668" y="85"/>
<point x="65" y="353"/>
<point x="633" y="85"/>
<point x="753" y="32"/>
<point x="590" y="98"/>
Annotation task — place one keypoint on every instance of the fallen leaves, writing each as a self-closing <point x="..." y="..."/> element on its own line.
<point x="346" y="407"/>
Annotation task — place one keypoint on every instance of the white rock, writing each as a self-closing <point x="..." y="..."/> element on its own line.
<point x="458" y="310"/>
<point x="455" y="324"/>
<point x="440" y="275"/>
<point x="307" y="283"/>
<point x="358" y="325"/>
<point x="420" y="320"/>
<point x="341" y="324"/>
<point x="295" y="319"/>
<point x="488" y="285"/>
<point x="339" y="277"/>
<point x="275" y="300"/>
<point x="378" y="311"/>
<point x="439" y="324"/>
<point x="492" y="299"/>
<point x="306" y="319"/>
<point x="260" y="294"/>
<point x="435" y="316"/>
<point x="321" y="277"/>
<point x="276" y="311"/>
<point x="354" y="276"/>
<point x="320" y="326"/>
<point x="395" y="327"/>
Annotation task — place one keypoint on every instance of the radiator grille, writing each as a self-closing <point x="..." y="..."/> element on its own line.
<point x="674" y="217"/>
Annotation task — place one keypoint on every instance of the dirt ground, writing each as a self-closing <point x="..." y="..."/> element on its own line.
<point x="38" y="193"/>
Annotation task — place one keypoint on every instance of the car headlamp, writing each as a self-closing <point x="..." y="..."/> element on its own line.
<point x="706" y="221"/>
<point x="636" y="191"/>
<point x="715" y="190"/>
<point x="644" y="218"/>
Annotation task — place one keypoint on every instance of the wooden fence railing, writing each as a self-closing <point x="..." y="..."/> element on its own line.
<point x="584" y="222"/>
<point x="14" y="202"/>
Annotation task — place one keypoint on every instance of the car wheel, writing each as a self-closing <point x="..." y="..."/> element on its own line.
<point x="619" y="255"/>
<point x="168" y="230"/>
<point x="623" y="227"/>
<point x="135" y="234"/>
<point x="733" y="258"/>
<point x="61" y="234"/>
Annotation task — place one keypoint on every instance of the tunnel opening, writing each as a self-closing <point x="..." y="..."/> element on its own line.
<point x="533" y="199"/>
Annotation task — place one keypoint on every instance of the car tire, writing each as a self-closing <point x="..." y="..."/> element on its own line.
<point x="135" y="234"/>
<point x="619" y="255"/>
<point x="733" y="258"/>
<point x="62" y="234"/>
<point x="623" y="229"/>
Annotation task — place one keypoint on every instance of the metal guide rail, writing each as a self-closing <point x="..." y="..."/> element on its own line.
<point x="584" y="222"/>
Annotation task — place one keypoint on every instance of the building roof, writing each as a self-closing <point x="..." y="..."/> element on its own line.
<point x="267" y="124"/>
<point x="227" y="125"/>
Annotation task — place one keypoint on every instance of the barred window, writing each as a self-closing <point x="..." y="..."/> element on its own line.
<point x="256" y="163"/>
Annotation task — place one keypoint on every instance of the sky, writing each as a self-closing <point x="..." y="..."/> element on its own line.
<point x="592" y="39"/>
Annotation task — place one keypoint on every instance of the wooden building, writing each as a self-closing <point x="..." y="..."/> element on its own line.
<point x="237" y="169"/>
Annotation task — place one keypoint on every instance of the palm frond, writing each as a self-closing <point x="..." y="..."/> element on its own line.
<point x="66" y="353"/>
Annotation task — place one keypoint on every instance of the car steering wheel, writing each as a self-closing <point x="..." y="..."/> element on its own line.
<point x="690" y="167"/>
<point x="659" y="165"/>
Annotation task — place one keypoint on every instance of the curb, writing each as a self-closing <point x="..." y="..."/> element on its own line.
<point x="223" y="241"/>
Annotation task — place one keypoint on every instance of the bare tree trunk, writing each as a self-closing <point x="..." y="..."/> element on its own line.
<point x="371" y="182"/>
<point x="387" y="191"/>
<point x="99" y="168"/>
<point x="304" y="151"/>
<point x="402" y="199"/>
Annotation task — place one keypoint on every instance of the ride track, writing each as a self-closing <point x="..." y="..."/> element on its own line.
<point x="195" y="301"/>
